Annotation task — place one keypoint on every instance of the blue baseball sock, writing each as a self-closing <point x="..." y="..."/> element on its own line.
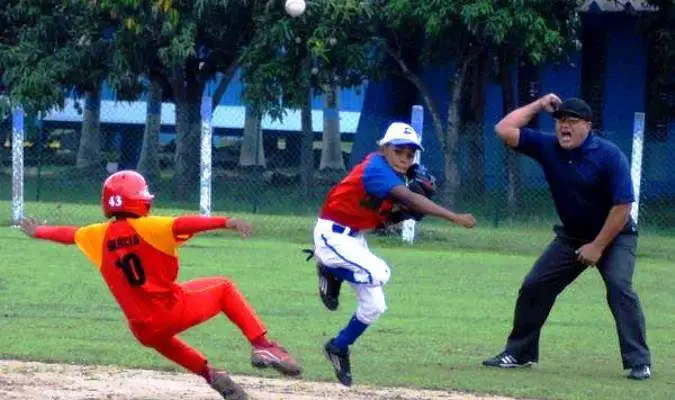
<point x="350" y="333"/>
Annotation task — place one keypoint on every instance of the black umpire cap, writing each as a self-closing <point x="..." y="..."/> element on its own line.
<point x="574" y="108"/>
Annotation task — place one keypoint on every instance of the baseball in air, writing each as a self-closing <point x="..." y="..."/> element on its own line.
<point x="295" y="8"/>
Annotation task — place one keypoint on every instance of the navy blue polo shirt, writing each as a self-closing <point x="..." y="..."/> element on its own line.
<point x="585" y="182"/>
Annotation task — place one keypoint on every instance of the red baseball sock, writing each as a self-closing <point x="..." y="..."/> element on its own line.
<point x="261" y="341"/>
<point x="206" y="373"/>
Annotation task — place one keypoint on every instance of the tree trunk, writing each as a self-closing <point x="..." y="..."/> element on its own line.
<point x="331" y="147"/>
<point x="307" y="147"/>
<point x="424" y="91"/>
<point x="514" y="192"/>
<point x="475" y="130"/>
<point x="188" y="94"/>
<point x="186" y="158"/>
<point x="148" y="163"/>
<point x="252" y="150"/>
<point x="89" y="151"/>
<point x="452" y="177"/>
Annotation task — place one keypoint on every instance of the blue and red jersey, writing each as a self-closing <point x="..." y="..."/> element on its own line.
<point x="362" y="200"/>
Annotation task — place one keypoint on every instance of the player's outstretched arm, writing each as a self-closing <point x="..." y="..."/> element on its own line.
<point x="57" y="233"/>
<point x="417" y="202"/>
<point x="189" y="225"/>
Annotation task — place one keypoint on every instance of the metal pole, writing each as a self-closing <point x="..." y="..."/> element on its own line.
<point x="17" y="165"/>
<point x="636" y="161"/>
<point x="40" y="144"/>
<point x="417" y="123"/>
<point x="205" y="159"/>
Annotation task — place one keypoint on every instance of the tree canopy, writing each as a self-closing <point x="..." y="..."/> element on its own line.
<point x="330" y="44"/>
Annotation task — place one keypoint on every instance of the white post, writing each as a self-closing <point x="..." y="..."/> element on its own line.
<point x="417" y="122"/>
<point x="636" y="161"/>
<point x="17" y="165"/>
<point x="205" y="158"/>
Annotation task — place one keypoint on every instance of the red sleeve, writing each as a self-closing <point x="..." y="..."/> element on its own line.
<point x="189" y="224"/>
<point x="60" y="234"/>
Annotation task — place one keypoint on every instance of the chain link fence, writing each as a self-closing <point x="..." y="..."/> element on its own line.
<point x="56" y="189"/>
<point x="500" y="188"/>
<point x="514" y="187"/>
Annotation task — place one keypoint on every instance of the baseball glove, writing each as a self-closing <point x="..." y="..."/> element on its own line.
<point x="419" y="180"/>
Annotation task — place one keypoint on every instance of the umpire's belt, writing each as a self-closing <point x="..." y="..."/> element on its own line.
<point x="337" y="228"/>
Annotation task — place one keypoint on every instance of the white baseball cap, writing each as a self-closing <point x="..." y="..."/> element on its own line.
<point x="401" y="134"/>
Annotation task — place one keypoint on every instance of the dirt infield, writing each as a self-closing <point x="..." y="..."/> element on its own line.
<point x="32" y="380"/>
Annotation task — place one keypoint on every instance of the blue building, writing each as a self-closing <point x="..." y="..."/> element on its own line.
<point x="228" y="116"/>
<point x="611" y="72"/>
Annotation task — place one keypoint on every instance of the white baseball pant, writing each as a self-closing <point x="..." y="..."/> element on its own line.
<point x="366" y="272"/>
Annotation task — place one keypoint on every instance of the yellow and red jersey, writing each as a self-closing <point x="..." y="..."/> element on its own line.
<point x="137" y="257"/>
<point x="138" y="260"/>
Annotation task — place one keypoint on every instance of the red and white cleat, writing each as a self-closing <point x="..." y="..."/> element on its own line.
<point x="276" y="357"/>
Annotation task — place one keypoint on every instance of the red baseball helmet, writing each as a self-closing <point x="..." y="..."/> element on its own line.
<point x="126" y="192"/>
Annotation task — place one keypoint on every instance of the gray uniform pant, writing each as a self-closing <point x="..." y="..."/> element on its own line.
<point x="556" y="268"/>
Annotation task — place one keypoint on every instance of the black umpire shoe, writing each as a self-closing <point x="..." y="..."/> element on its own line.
<point x="329" y="287"/>
<point x="640" y="373"/>
<point x="340" y="360"/>
<point x="506" y="360"/>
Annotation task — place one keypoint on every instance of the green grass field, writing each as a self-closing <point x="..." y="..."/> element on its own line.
<point x="450" y="304"/>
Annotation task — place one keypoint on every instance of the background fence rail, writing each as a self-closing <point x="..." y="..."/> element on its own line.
<point x="52" y="180"/>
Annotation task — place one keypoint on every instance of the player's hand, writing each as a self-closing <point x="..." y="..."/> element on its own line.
<point x="29" y="226"/>
<point x="589" y="254"/>
<point x="243" y="227"/>
<point x="550" y="102"/>
<point x="465" y="220"/>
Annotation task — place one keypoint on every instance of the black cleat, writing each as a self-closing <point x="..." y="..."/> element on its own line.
<point x="329" y="287"/>
<point x="640" y="373"/>
<point x="340" y="360"/>
<point x="506" y="360"/>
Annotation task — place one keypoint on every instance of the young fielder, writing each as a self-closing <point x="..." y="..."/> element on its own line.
<point x="138" y="258"/>
<point x="363" y="200"/>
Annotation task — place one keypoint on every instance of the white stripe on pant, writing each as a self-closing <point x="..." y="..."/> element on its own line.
<point x="371" y="273"/>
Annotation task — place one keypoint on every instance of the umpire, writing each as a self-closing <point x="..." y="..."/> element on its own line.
<point x="592" y="190"/>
